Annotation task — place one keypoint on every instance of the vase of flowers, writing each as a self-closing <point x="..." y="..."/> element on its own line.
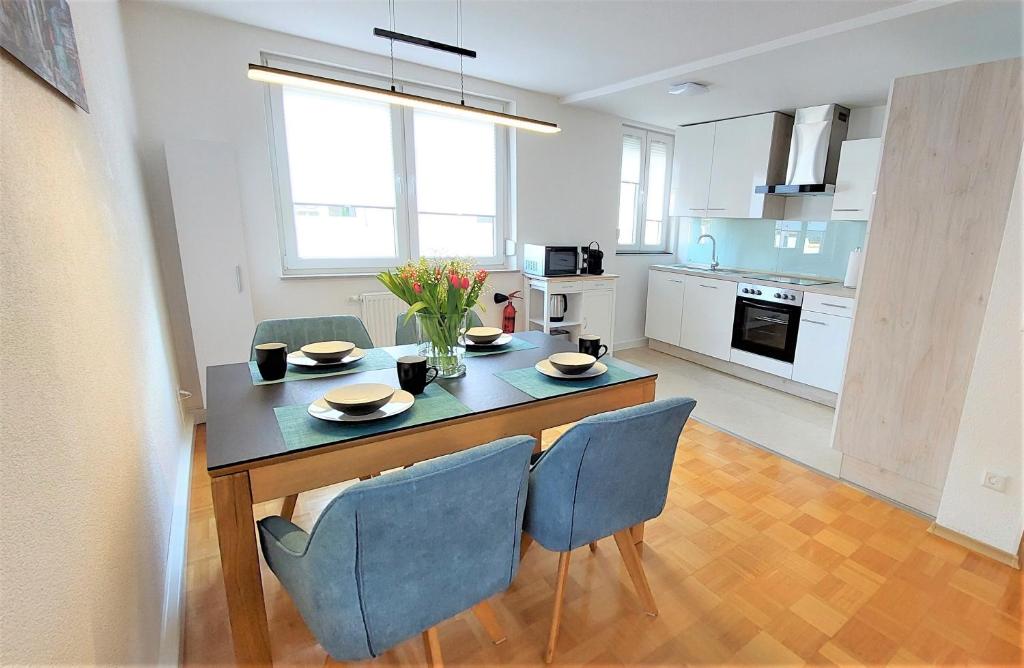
<point x="439" y="293"/>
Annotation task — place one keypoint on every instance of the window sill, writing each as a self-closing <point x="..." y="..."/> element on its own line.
<point x="373" y="274"/>
<point x="644" y="253"/>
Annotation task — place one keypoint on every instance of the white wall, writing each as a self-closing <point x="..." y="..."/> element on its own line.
<point x="990" y="435"/>
<point x="92" y="429"/>
<point x="190" y="77"/>
<point x="866" y="122"/>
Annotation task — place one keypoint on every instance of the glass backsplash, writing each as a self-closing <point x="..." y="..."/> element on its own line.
<point x="808" y="248"/>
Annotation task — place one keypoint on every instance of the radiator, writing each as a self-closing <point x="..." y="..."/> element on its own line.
<point x="379" y="311"/>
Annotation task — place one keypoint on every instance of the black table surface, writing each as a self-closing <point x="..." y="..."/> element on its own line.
<point x="241" y="426"/>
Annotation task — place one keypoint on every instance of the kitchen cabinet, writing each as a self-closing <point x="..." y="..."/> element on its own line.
<point x="855" y="181"/>
<point x="664" y="306"/>
<point x="821" y="345"/>
<point x="598" y="313"/>
<point x="708" y="309"/>
<point x="692" y="154"/>
<point x="716" y="167"/>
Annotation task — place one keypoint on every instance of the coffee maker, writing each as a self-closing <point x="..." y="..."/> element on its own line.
<point x="593" y="259"/>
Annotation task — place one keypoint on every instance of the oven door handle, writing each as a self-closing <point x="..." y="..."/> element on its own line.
<point x="776" y="321"/>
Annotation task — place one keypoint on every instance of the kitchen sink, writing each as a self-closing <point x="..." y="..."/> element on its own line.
<point x="710" y="272"/>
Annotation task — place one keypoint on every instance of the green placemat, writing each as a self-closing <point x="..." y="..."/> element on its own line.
<point x="376" y="358"/>
<point x="515" y="344"/>
<point x="539" y="386"/>
<point x="302" y="430"/>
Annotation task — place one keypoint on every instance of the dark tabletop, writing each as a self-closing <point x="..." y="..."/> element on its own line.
<point x="241" y="426"/>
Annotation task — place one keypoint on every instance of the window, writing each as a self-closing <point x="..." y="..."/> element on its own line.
<point x="364" y="185"/>
<point x="643" y="190"/>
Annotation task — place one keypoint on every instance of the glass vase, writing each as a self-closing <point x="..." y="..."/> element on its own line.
<point x="438" y="337"/>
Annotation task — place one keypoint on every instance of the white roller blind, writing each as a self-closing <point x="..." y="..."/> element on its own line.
<point x="455" y="165"/>
<point x="631" y="159"/>
<point x="339" y="150"/>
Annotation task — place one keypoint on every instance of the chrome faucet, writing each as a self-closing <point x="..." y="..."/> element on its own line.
<point x="714" y="250"/>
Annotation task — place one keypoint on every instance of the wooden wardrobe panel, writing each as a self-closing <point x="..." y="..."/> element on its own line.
<point x="950" y="153"/>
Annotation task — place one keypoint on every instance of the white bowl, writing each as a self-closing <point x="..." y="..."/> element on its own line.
<point x="359" y="399"/>
<point x="483" y="335"/>
<point x="572" y="363"/>
<point x="327" y="351"/>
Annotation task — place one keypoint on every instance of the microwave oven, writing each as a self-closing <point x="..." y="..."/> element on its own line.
<point x="550" y="260"/>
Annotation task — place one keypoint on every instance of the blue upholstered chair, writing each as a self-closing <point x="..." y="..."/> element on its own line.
<point x="395" y="556"/>
<point x="405" y="332"/>
<point x="297" y="332"/>
<point x="606" y="474"/>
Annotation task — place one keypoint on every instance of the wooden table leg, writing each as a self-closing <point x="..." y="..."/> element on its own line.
<point x="240" y="561"/>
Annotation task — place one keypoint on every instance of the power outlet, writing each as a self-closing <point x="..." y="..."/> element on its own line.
<point x="994" y="481"/>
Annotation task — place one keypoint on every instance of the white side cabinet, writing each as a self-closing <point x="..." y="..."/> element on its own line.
<point x="708" y="311"/>
<point x="823" y="341"/>
<point x="855" y="180"/>
<point x="589" y="301"/>
<point x="664" y="306"/>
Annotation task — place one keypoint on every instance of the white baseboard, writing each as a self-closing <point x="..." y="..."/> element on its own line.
<point x="634" y="343"/>
<point x="172" y="628"/>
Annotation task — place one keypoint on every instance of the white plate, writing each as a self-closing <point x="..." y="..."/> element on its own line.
<point x="500" y="341"/>
<point x="546" y="368"/>
<point x="400" y="402"/>
<point x="298" y="358"/>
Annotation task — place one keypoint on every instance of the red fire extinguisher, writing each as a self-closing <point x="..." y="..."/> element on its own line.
<point x="508" y="314"/>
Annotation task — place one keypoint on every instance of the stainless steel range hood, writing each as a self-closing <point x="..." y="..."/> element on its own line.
<point x="818" y="135"/>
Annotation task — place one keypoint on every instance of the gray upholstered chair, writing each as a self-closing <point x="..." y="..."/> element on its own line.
<point x="405" y="332"/>
<point x="297" y="332"/>
<point x="395" y="556"/>
<point x="606" y="474"/>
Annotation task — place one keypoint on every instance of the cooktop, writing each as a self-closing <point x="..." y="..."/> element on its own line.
<point x="788" y="280"/>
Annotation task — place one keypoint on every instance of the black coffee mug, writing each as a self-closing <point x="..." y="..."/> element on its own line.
<point x="412" y="373"/>
<point x="591" y="345"/>
<point x="272" y="360"/>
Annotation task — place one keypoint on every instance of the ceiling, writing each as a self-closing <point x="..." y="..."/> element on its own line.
<point x="620" y="56"/>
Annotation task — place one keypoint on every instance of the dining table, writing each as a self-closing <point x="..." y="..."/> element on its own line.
<point x="254" y="454"/>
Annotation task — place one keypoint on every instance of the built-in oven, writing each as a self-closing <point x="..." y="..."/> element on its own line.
<point x="766" y="322"/>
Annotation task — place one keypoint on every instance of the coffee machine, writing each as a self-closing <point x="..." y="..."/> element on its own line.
<point x="592" y="259"/>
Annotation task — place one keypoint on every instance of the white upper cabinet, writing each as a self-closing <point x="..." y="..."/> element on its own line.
<point x="664" y="306"/>
<point x="708" y="312"/>
<point x="717" y="166"/>
<point x="855" y="181"/>
<point x="691" y="170"/>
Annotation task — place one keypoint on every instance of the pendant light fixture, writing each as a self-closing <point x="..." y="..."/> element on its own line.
<point x="274" y="75"/>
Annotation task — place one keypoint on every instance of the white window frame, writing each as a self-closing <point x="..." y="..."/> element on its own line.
<point x="640" y="210"/>
<point x="403" y="143"/>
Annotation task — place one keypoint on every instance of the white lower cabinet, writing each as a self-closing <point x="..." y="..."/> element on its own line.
<point x="598" y="310"/>
<point x="664" y="306"/>
<point x="821" y="346"/>
<point x="708" y="311"/>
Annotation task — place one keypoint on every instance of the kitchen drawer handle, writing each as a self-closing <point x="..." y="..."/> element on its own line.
<point x="816" y="322"/>
<point x="697" y="208"/>
<point x="713" y="287"/>
<point x="847" y="209"/>
<point x="709" y="209"/>
<point x="833" y="305"/>
<point x="674" y="280"/>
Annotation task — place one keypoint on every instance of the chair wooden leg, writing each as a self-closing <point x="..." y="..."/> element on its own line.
<point x="485" y="615"/>
<point x="524" y="544"/>
<point x="432" y="648"/>
<point x="593" y="546"/>
<point x="624" y="541"/>
<point x="288" y="506"/>
<point x="556" y="615"/>
<point x="637" y="532"/>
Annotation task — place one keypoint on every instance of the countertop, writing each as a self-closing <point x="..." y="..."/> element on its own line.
<point x="833" y="289"/>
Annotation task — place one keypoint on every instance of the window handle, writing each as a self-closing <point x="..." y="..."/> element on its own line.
<point x="238" y="277"/>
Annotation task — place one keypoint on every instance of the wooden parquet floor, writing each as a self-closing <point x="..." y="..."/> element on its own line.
<point x="755" y="561"/>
